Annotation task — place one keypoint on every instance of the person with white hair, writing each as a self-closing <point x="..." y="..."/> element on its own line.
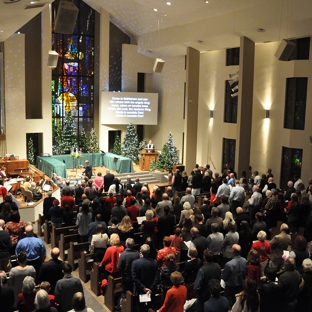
<point x="25" y="299"/>
<point x="185" y="213"/>
<point x="79" y="303"/>
<point x="264" y="249"/>
<point x="42" y="302"/>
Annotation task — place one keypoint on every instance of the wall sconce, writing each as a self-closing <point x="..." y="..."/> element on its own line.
<point x="267" y="113"/>
<point x="211" y="113"/>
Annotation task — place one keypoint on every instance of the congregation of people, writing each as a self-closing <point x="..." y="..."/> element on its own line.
<point x="208" y="242"/>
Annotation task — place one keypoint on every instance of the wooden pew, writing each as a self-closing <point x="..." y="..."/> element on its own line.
<point x="74" y="252"/>
<point x="111" y="291"/>
<point x="64" y="243"/>
<point x="47" y="231"/>
<point x="127" y="303"/>
<point x="95" y="279"/>
<point x="40" y="223"/>
<point x="85" y="265"/>
<point x="56" y="232"/>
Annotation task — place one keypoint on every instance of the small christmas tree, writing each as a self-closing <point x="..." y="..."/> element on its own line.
<point x="153" y="165"/>
<point x="172" y="149"/>
<point x="57" y="147"/>
<point x="93" y="142"/>
<point x="31" y="151"/>
<point x="83" y="141"/>
<point x="69" y="133"/>
<point x="117" y="145"/>
<point x="164" y="161"/>
<point x="130" y="147"/>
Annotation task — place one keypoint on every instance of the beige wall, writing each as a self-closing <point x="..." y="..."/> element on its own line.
<point x="268" y="135"/>
<point x="16" y="123"/>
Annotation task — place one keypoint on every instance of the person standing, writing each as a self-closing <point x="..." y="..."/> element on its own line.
<point x="145" y="277"/>
<point x="176" y="295"/>
<point x="108" y="180"/>
<point x="88" y="169"/>
<point x="33" y="247"/>
<point x="234" y="274"/>
<point x="66" y="288"/>
<point x="5" y="246"/>
<point x="51" y="270"/>
<point x="124" y="265"/>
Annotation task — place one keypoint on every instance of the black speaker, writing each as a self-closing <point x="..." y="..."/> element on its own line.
<point x="66" y="18"/>
<point x="284" y="50"/>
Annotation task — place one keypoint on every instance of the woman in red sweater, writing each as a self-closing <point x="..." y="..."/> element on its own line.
<point x="111" y="256"/>
<point x="176" y="295"/>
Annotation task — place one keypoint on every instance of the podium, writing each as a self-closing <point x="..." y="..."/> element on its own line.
<point x="146" y="159"/>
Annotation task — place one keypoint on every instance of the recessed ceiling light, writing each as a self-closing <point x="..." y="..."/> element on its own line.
<point x="2" y="31"/>
<point x="260" y="29"/>
<point x="155" y="10"/>
<point x="206" y="2"/>
<point x="33" y="2"/>
<point x="168" y="3"/>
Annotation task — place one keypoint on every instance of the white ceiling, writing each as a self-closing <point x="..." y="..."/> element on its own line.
<point x="218" y="24"/>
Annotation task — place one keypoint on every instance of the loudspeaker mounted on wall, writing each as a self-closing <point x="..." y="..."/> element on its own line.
<point x="284" y="50"/>
<point x="52" y="59"/>
<point x="158" y="65"/>
<point x="66" y="18"/>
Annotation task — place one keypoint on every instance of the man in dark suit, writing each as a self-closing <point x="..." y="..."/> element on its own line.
<point x="145" y="277"/>
<point x="108" y="180"/>
<point x="66" y="288"/>
<point x="199" y="242"/>
<point x="88" y="169"/>
<point x="165" y="224"/>
<point x="51" y="270"/>
<point x="290" y="190"/>
<point x="137" y="185"/>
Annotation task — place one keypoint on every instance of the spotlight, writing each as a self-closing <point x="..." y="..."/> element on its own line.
<point x="267" y="113"/>
<point x="211" y="113"/>
<point x="233" y="74"/>
<point x="231" y="82"/>
<point x="235" y="88"/>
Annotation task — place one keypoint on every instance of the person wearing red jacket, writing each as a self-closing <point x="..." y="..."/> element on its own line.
<point x="176" y="295"/>
<point x="111" y="256"/>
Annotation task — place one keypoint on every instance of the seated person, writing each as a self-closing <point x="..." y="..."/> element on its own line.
<point x="35" y="191"/>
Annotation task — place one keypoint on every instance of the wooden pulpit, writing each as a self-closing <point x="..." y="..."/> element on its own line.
<point x="146" y="159"/>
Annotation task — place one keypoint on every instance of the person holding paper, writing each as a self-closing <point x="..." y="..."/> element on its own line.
<point x="145" y="279"/>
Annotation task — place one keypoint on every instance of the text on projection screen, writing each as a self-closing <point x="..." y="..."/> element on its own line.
<point x="129" y="107"/>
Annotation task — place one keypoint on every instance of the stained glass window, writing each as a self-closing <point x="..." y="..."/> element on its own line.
<point x="291" y="164"/>
<point x="73" y="79"/>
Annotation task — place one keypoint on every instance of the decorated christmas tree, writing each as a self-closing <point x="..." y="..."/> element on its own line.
<point x="69" y="134"/>
<point x="117" y="145"/>
<point x="83" y="141"/>
<point x="57" y="147"/>
<point x="172" y="150"/>
<point x="31" y="151"/>
<point x="164" y="161"/>
<point x="130" y="146"/>
<point x="93" y="142"/>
